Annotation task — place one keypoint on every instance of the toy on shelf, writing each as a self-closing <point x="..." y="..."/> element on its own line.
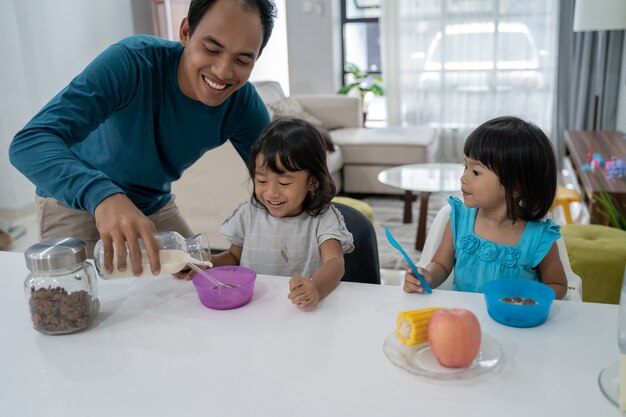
<point x="615" y="168"/>
<point x="594" y="162"/>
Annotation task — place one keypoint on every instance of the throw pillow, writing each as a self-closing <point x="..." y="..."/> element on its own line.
<point x="291" y="107"/>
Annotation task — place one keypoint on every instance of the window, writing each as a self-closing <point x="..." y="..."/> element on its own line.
<point x="458" y="63"/>
<point x="512" y="67"/>
<point x="361" y="47"/>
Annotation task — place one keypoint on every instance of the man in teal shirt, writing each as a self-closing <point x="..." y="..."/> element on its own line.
<point x="104" y="152"/>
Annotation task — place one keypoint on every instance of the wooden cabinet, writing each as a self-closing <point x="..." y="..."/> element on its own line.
<point x="579" y="146"/>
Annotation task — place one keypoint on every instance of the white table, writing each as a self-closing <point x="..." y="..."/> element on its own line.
<point x="425" y="179"/>
<point x="156" y="351"/>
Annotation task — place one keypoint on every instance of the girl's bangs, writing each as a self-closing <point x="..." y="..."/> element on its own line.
<point x="279" y="159"/>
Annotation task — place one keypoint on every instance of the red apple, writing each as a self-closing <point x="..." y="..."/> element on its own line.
<point x="454" y="336"/>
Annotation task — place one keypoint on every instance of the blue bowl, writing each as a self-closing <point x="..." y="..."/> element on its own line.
<point x="518" y="315"/>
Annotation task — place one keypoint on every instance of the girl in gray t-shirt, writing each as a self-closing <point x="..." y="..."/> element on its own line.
<point x="289" y="227"/>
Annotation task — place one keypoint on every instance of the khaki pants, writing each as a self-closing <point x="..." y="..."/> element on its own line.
<point x="55" y="219"/>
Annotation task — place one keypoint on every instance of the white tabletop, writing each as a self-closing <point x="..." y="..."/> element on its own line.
<point x="156" y="351"/>
<point x="431" y="177"/>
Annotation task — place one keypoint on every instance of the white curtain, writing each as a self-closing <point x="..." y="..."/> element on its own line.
<point x="453" y="64"/>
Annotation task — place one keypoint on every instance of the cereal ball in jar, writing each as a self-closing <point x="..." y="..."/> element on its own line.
<point x="61" y="288"/>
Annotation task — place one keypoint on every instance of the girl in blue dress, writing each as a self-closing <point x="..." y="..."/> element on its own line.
<point x="497" y="230"/>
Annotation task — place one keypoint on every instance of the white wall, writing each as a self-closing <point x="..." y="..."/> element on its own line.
<point x="273" y="64"/>
<point x="45" y="43"/>
<point x="314" y="43"/>
<point x="621" y="104"/>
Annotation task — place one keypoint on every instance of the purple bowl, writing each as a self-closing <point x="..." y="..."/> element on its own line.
<point x="226" y="298"/>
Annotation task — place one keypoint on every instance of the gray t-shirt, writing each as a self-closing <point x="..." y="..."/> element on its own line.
<point x="284" y="246"/>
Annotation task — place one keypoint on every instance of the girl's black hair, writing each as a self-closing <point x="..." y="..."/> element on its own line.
<point x="522" y="157"/>
<point x="266" y="8"/>
<point x="295" y="145"/>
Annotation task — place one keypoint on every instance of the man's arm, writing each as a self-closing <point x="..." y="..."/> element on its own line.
<point x="41" y="150"/>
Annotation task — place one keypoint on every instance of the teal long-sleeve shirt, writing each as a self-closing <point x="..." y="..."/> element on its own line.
<point x="124" y="126"/>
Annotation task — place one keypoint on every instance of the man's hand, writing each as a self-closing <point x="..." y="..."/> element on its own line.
<point x="121" y="224"/>
<point x="303" y="292"/>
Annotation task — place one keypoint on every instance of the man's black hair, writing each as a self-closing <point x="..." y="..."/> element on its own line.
<point x="266" y="8"/>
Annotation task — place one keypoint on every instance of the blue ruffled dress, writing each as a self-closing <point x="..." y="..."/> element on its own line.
<point x="479" y="260"/>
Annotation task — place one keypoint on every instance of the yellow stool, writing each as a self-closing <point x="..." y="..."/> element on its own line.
<point x="565" y="196"/>
<point x="362" y="206"/>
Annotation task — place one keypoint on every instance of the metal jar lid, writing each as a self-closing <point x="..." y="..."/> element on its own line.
<point x="55" y="254"/>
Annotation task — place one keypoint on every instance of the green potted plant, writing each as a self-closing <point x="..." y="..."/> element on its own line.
<point x="611" y="209"/>
<point x="366" y="87"/>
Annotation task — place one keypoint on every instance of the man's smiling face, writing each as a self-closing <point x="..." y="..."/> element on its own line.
<point x="220" y="54"/>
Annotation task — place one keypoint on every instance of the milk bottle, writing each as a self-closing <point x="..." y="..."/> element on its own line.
<point x="175" y="252"/>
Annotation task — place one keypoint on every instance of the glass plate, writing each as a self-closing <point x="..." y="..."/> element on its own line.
<point x="419" y="359"/>
<point x="609" y="382"/>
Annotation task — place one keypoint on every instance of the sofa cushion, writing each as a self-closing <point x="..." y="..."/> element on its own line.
<point x="291" y="108"/>
<point x="384" y="146"/>
<point x="269" y="91"/>
<point x="334" y="160"/>
<point x="388" y="136"/>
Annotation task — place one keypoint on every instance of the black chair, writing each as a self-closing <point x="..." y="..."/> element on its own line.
<point x="362" y="264"/>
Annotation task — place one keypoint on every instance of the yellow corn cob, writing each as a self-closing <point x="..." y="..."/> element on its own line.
<point x="412" y="326"/>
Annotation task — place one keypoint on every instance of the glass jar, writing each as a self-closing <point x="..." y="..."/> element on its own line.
<point x="61" y="287"/>
<point x="174" y="254"/>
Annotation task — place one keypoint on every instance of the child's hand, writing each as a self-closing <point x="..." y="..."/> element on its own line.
<point x="303" y="292"/>
<point x="186" y="274"/>
<point x="412" y="284"/>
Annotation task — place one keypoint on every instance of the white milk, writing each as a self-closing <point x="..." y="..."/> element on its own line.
<point x="172" y="261"/>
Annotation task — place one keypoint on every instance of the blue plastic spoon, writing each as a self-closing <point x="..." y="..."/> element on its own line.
<point x="419" y="276"/>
